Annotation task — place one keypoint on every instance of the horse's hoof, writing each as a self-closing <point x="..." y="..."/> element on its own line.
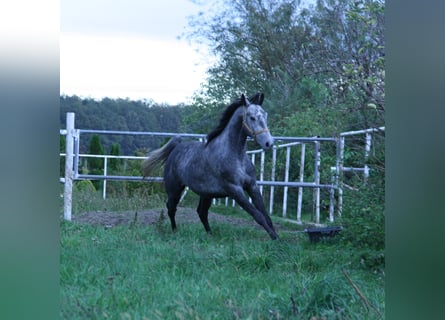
<point x="275" y="237"/>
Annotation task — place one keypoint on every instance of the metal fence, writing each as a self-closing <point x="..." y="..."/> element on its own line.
<point x="340" y="169"/>
<point x="268" y="179"/>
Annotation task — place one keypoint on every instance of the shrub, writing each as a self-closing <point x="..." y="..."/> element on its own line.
<point x="363" y="219"/>
<point x="85" y="186"/>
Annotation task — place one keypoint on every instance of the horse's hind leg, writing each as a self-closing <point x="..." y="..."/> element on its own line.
<point x="203" y="211"/>
<point x="174" y="195"/>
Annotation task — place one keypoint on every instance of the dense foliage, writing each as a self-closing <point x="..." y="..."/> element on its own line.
<point x="314" y="64"/>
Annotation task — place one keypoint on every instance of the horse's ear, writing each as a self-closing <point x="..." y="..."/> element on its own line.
<point x="260" y="102"/>
<point x="243" y="100"/>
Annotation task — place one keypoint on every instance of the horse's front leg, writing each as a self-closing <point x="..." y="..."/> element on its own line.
<point x="254" y="192"/>
<point x="237" y="193"/>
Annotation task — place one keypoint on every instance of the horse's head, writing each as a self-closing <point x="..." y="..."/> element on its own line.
<point x="255" y="122"/>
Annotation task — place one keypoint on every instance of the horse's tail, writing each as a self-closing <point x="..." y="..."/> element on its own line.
<point x="157" y="157"/>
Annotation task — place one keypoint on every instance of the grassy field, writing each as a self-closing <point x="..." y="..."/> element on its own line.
<point x="148" y="272"/>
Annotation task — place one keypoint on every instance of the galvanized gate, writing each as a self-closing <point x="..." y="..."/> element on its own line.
<point x="266" y="179"/>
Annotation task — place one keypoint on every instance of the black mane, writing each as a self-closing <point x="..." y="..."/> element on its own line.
<point x="225" y="118"/>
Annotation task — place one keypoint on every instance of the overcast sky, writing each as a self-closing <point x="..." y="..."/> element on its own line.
<point x="128" y="49"/>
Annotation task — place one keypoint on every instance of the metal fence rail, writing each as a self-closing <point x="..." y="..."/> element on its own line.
<point x="340" y="168"/>
<point x="73" y="156"/>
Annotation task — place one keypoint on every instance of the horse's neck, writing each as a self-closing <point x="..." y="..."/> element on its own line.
<point x="233" y="136"/>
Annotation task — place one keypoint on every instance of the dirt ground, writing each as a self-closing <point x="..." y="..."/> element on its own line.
<point x="150" y="217"/>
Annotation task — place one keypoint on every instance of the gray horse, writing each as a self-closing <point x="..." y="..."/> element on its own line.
<point x="220" y="167"/>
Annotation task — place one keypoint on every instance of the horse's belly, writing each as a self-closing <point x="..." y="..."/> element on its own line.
<point x="207" y="186"/>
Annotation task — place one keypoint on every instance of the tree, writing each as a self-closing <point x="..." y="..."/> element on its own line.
<point x="329" y="56"/>
<point x="115" y="164"/>
<point x="258" y="48"/>
<point x="121" y="114"/>
<point x="350" y="56"/>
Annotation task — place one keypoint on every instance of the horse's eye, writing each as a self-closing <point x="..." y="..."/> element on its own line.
<point x="252" y="118"/>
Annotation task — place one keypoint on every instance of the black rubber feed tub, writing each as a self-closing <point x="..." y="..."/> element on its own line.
<point x="316" y="234"/>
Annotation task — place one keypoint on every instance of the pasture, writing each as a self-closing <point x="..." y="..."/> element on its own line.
<point x="140" y="270"/>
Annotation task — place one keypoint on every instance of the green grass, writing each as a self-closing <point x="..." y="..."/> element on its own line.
<point x="148" y="272"/>
<point x="84" y="201"/>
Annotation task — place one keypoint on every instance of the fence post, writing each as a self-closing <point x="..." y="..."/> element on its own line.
<point x="332" y="197"/>
<point x="104" y="191"/>
<point x="253" y="161"/>
<point x="262" y="170"/>
<point x="341" y="151"/>
<point x="286" y="179"/>
<point x="76" y="152"/>
<point x="69" y="171"/>
<point x="367" y="152"/>
<point x="317" y="181"/>
<point x="300" y="189"/>
<point x="272" y="188"/>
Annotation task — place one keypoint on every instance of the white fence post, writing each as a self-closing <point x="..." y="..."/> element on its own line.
<point x="367" y="152"/>
<point x="286" y="179"/>
<point x="69" y="171"/>
<point x="253" y="161"/>
<point x="300" y="189"/>
<point x="340" y="174"/>
<point x="272" y="176"/>
<point x="262" y="170"/>
<point x="317" y="181"/>
<point x="332" y="196"/>
<point x="104" y="191"/>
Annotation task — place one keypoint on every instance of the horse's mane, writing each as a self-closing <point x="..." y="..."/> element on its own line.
<point x="225" y="118"/>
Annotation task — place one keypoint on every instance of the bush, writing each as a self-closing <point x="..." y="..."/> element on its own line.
<point x="363" y="219"/>
<point x="85" y="186"/>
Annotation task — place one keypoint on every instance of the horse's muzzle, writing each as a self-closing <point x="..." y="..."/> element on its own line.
<point x="265" y="140"/>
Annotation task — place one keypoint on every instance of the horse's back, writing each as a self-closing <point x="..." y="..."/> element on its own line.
<point x="183" y="159"/>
